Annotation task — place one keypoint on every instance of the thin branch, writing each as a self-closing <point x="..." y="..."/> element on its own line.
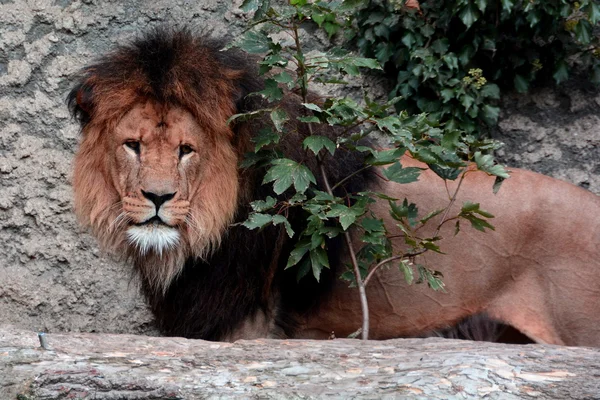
<point x="361" y="287"/>
<point x="358" y="171"/>
<point x="388" y="260"/>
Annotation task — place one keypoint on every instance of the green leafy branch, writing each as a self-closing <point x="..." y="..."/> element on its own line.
<point x="329" y="210"/>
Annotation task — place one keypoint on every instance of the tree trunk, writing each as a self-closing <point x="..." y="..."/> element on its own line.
<point x="94" y="366"/>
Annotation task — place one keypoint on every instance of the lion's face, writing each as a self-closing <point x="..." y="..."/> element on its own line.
<point x="159" y="156"/>
<point x="159" y="187"/>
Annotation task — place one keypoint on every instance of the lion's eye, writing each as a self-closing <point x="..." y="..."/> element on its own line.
<point x="184" y="149"/>
<point x="133" y="145"/>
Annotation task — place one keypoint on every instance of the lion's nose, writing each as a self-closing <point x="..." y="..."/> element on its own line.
<point x="158" y="199"/>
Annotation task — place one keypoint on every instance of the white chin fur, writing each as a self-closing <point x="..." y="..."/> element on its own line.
<point x="153" y="237"/>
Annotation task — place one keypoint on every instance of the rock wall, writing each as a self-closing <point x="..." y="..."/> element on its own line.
<point x="52" y="276"/>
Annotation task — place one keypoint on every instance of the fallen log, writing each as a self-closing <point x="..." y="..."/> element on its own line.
<point x="103" y="366"/>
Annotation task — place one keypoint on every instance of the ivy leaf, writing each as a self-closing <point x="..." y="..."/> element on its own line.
<point x="481" y="4"/>
<point x="521" y="84"/>
<point x="315" y="143"/>
<point x="279" y="118"/>
<point x="408" y="39"/>
<point x="583" y="31"/>
<point x="507" y="5"/>
<point x="593" y="11"/>
<point x="490" y="114"/>
<point x="440" y="46"/>
<point x="283" y="77"/>
<point x="491" y="90"/>
<point x="561" y="72"/>
<point x="398" y="174"/>
<point x="469" y="15"/>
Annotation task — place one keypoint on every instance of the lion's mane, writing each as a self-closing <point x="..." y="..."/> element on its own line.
<point x="209" y="288"/>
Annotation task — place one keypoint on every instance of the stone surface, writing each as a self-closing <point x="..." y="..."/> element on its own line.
<point x="52" y="275"/>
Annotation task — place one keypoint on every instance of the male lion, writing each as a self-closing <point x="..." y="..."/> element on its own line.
<point x="157" y="180"/>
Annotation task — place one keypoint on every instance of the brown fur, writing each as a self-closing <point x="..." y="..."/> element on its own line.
<point x="537" y="272"/>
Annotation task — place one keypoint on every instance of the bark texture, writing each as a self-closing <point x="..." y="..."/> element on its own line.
<point x="89" y="366"/>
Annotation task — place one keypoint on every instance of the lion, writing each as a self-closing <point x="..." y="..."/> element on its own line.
<point x="157" y="180"/>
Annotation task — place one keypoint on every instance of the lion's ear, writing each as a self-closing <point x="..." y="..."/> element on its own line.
<point x="81" y="102"/>
<point x="245" y="84"/>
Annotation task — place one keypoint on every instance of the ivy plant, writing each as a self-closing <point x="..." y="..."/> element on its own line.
<point x="451" y="58"/>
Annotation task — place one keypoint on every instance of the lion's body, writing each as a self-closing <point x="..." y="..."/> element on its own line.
<point x="157" y="180"/>
<point x="539" y="271"/>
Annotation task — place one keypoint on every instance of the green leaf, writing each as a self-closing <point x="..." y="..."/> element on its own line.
<point x="440" y="46"/>
<point x="447" y="94"/>
<point x="263" y="205"/>
<point x="583" y="31"/>
<point x="280" y="219"/>
<point x="486" y="164"/>
<point x="561" y="72"/>
<point x="432" y="214"/>
<point x="372" y="225"/>
<point x="250" y="5"/>
<point x="363" y="62"/>
<point x="384" y="157"/>
<point x="408" y="39"/>
<point x="257" y="220"/>
<point x="255" y="42"/>
<point x="405" y="210"/>
<point x="445" y="173"/>
<point x="271" y="92"/>
<point x="490" y="114"/>
<point x="497" y="184"/>
<point x="285" y="172"/>
<point x="507" y="5"/>
<point x="490" y="90"/>
<point x="432" y="278"/>
<point x="279" y="118"/>
<point x="469" y="15"/>
<point x="303" y="269"/>
<point x="481" y="4"/>
<point x="478" y="223"/>
<point x="405" y="268"/>
<point x="283" y="77"/>
<point x="467" y="101"/>
<point x="593" y="11"/>
<point x="296" y="255"/>
<point x="346" y="215"/>
<point x="398" y="174"/>
<point x="315" y="143"/>
<point x="264" y="137"/>
<point x="312" y="107"/>
<point x="521" y="84"/>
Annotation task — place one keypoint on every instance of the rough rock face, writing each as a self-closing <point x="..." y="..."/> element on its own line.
<point x="52" y="276"/>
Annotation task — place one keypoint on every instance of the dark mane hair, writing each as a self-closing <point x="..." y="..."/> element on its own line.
<point x="212" y="297"/>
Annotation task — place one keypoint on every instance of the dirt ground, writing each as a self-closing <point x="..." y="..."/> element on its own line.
<point x="52" y="275"/>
